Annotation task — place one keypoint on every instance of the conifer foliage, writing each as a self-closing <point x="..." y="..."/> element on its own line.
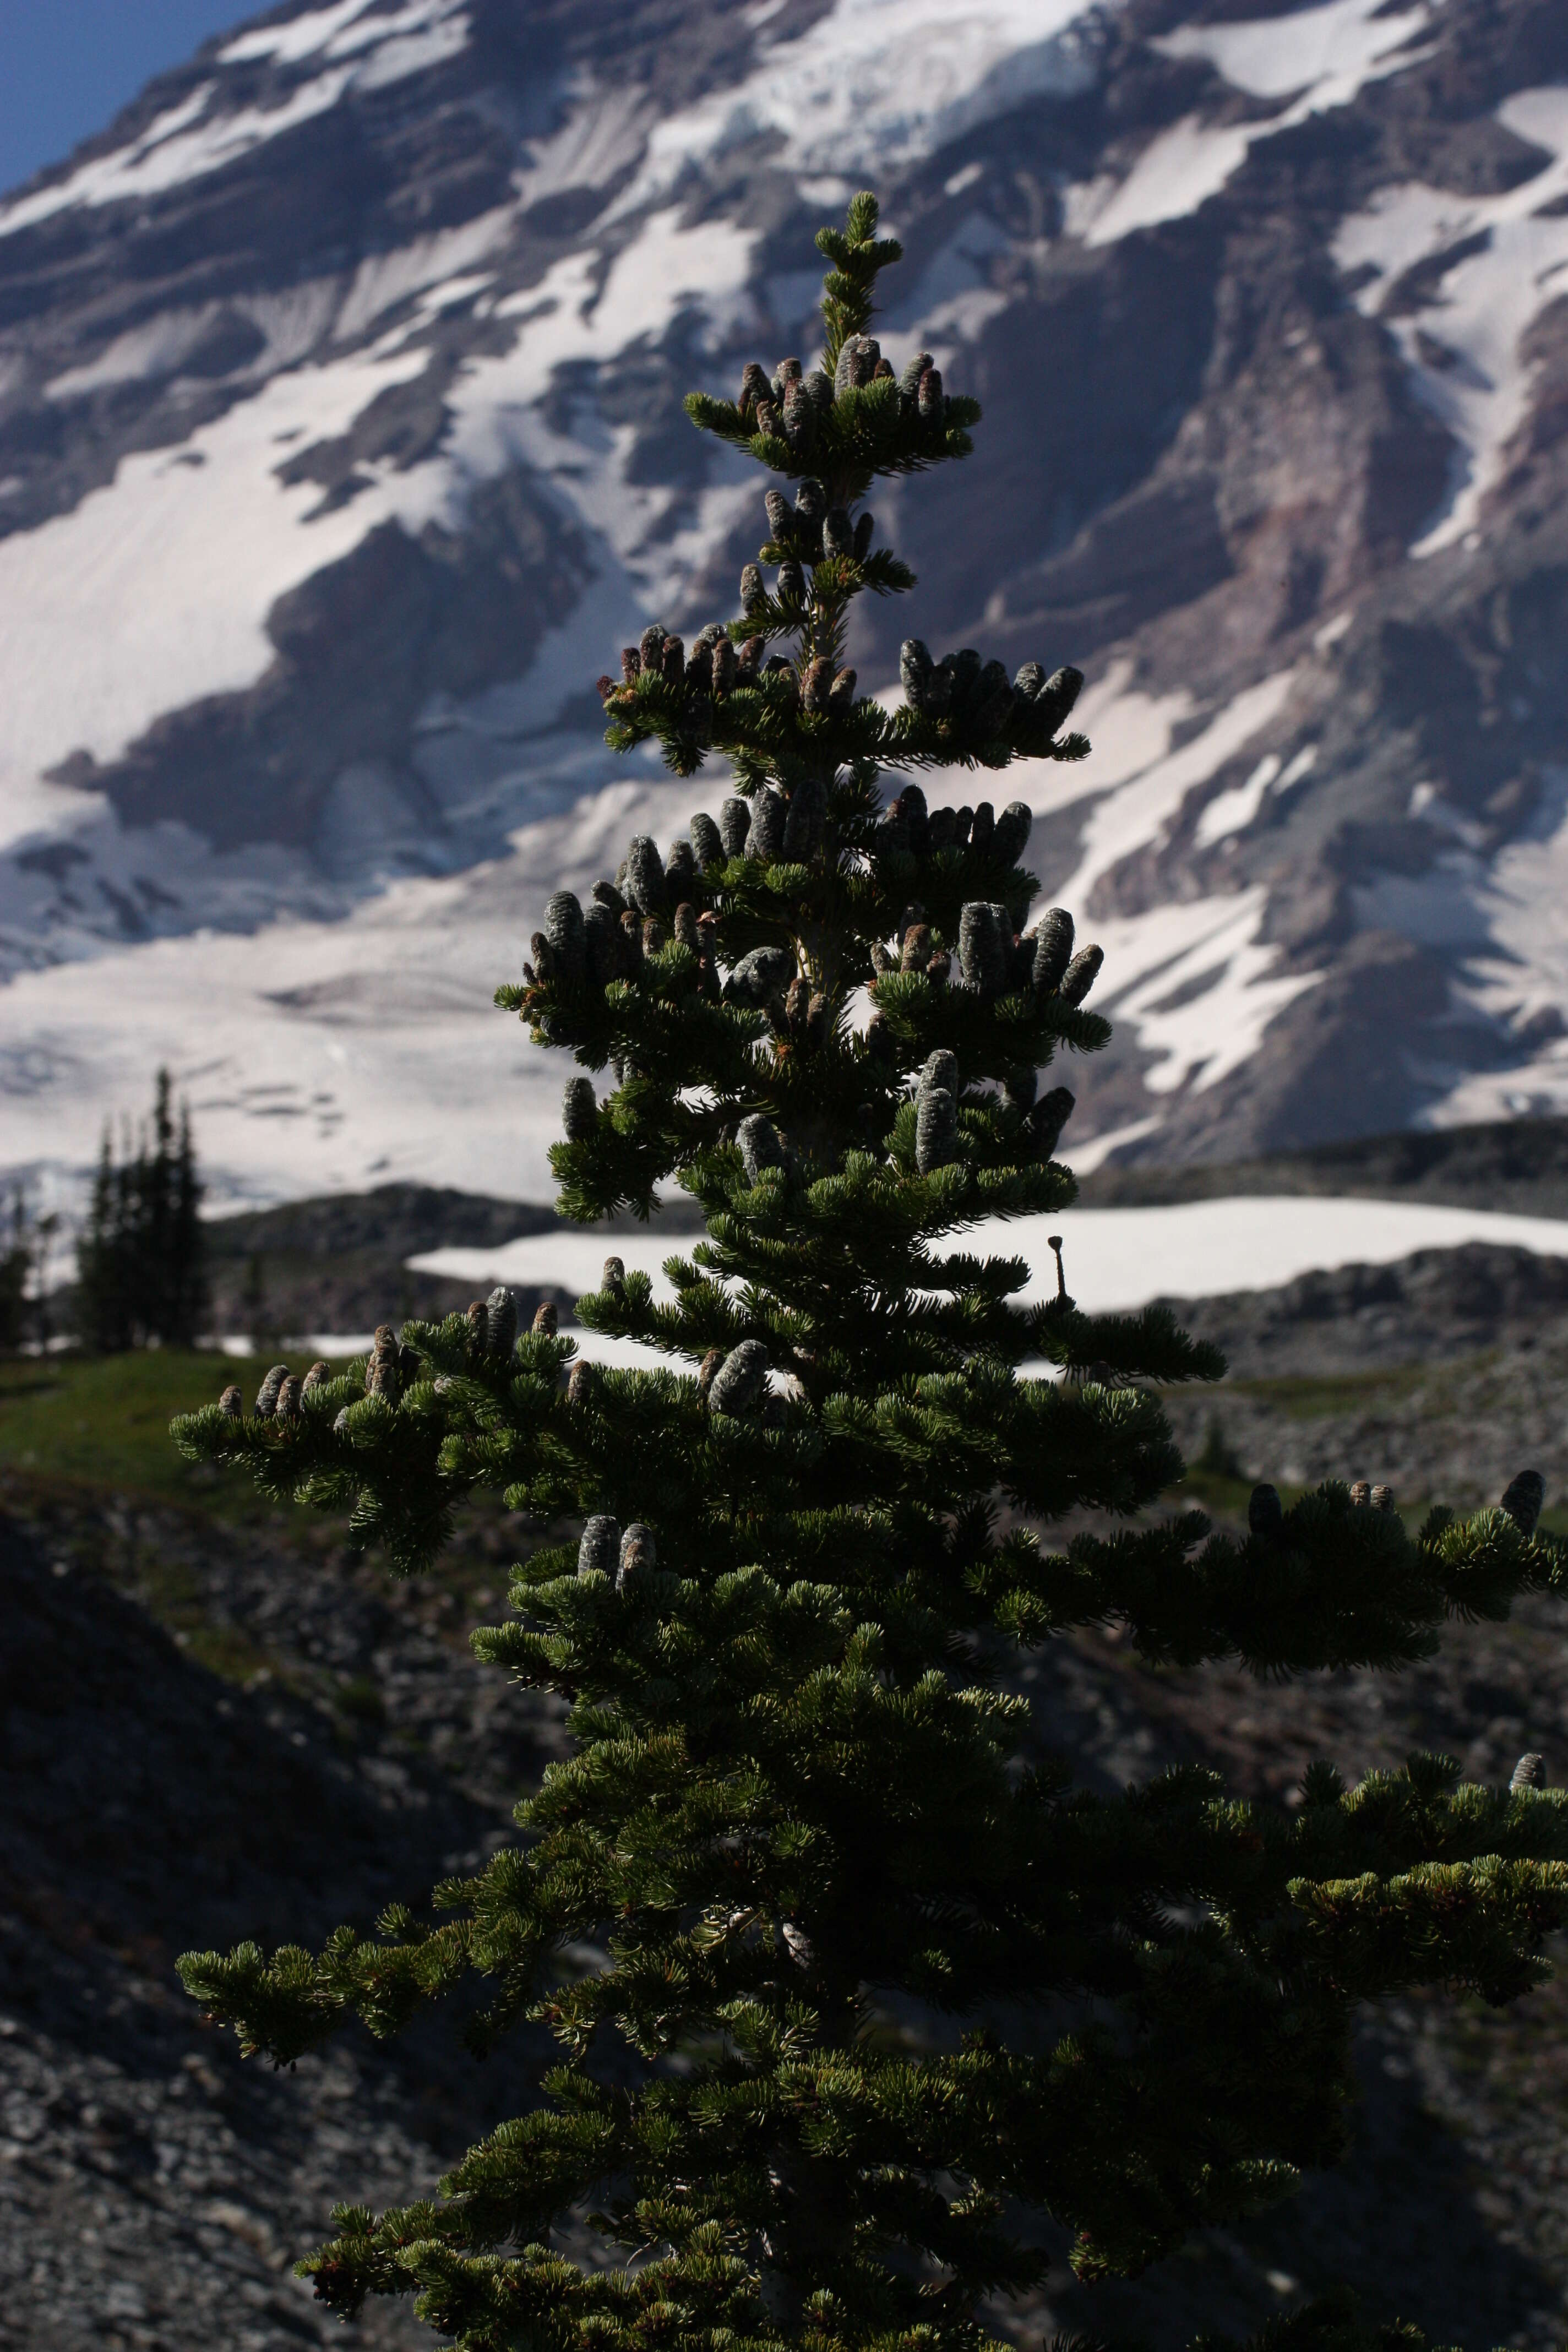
<point x="851" y="1989"/>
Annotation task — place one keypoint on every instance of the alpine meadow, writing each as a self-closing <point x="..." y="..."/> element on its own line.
<point x="860" y="2002"/>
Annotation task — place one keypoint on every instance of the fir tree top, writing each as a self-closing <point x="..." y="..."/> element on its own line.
<point x="871" y="1988"/>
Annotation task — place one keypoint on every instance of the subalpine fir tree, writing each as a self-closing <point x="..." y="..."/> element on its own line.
<point x="850" y="1995"/>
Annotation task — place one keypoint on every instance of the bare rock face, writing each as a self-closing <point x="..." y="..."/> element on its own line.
<point x="340" y="448"/>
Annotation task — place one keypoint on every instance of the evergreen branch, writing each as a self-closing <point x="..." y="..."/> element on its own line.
<point x="1148" y="1345"/>
<point x="768" y="717"/>
<point x="1331" y="1586"/>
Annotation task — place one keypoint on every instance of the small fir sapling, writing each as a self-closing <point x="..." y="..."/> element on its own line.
<point x="850" y="1984"/>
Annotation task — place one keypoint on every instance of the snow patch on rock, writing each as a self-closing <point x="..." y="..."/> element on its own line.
<point x="604" y="134"/>
<point x="384" y="280"/>
<point x="169" y="153"/>
<point x="1197" y="985"/>
<point x="1502" y="921"/>
<point x="1137" y="815"/>
<point x="877" y="83"/>
<point x="1194" y="980"/>
<point x="1118" y="1259"/>
<point x="344" y="30"/>
<point x="133" y="603"/>
<point x="1339" y="45"/>
<point x="1492" y="264"/>
<point x="1325" y="55"/>
<point x="1233" y="812"/>
<point x="200" y="135"/>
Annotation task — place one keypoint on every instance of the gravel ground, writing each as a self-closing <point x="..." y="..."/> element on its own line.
<point x="211" y="1733"/>
<point x="1442" y="1376"/>
<point x="155" y="2191"/>
<point x="1436" y="1433"/>
<point x="1453" y="2209"/>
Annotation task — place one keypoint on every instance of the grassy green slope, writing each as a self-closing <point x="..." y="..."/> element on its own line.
<point x="99" y="1425"/>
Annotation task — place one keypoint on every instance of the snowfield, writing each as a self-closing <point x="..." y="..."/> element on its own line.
<point x="321" y="1056"/>
<point x="1116" y="1259"/>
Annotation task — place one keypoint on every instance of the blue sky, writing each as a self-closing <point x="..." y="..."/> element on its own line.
<point x="65" y="66"/>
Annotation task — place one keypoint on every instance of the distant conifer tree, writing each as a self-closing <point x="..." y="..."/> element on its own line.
<point x="850" y="1990"/>
<point x="23" y="1252"/>
<point x="184" y="1297"/>
<point x="141" y="1270"/>
<point x="102" y="1296"/>
<point x="15" y="1268"/>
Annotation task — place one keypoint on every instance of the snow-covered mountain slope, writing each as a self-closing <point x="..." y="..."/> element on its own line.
<point x="340" y="448"/>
